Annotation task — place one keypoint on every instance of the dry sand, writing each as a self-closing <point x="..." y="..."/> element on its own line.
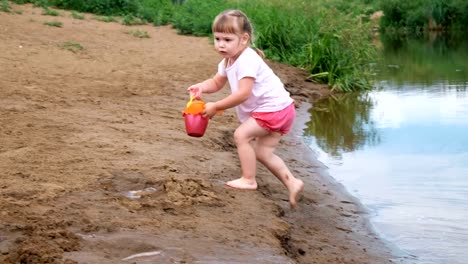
<point x="81" y="129"/>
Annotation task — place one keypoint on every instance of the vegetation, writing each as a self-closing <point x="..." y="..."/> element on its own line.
<point x="53" y="23"/>
<point x="77" y="15"/>
<point x="106" y="19"/>
<point x="5" y="6"/>
<point x="139" y="33"/>
<point x="328" y="38"/>
<point x="130" y="20"/>
<point x="406" y="17"/>
<point x="50" y="12"/>
<point x="72" y="46"/>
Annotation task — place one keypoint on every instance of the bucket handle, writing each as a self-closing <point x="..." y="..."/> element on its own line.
<point x="189" y="103"/>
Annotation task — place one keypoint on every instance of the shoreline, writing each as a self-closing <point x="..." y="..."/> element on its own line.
<point x="343" y="212"/>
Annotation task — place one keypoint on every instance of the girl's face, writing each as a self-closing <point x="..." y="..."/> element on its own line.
<point x="230" y="45"/>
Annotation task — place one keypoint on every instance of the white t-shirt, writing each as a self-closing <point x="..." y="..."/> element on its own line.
<point x="268" y="93"/>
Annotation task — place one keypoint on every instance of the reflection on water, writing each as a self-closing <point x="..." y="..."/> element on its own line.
<point x="403" y="151"/>
<point x="415" y="176"/>
<point x="348" y="123"/>
<point x="442" y="58"/>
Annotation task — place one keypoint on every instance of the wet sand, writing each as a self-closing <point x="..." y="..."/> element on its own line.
<point x="96" y="167"/>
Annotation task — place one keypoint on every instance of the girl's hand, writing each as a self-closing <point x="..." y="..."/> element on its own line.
<point x="195" y="90"/>
<point x="210" y="110"/>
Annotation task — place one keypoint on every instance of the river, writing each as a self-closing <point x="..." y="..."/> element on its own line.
<point x="402" y="149"/>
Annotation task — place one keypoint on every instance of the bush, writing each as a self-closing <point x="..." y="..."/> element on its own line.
<point x="159" y="12"/>
<point x="418" y="15"/>
<point x="99" y="7"/>
<point x="195" y="17"/>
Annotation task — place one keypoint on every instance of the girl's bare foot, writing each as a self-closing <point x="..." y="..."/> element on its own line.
<point x="295" y="189"/>
<point x="242" y="184"/>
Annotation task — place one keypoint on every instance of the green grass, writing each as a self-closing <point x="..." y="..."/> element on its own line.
<point x="408" y="17"/>
<point x="106" y="19"/>
<point x="50" y="12"/>
<point x="72" y="46"/>
<point x="139" y="33"/>
<point x="53" y="23"/>
<point x="77" y="15"/>
<point x="5" y="6"/>
<point x="131" y="20"/>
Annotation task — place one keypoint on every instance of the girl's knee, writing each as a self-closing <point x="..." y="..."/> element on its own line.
<point x="240" y="137"/>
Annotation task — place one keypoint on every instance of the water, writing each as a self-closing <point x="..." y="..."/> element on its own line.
<point x="403" y="151"/>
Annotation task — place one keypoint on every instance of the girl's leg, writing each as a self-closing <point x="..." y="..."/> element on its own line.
<point x="244" y="134"/>
<point x="264" y="149"/>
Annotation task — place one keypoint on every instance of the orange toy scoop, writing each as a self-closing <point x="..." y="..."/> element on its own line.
<point x="194" y="107"/>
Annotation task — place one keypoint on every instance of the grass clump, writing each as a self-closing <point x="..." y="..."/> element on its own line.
<point x="130" y="20"/>
<point x="5" y="6"/>
<point x="106" y="19"/>
<point x="77" y="15"/>
<point x="53" y="23"/>
<point x="139" y="33"/>
<point x="50" y="12"/>
<point x="72" y="46"/>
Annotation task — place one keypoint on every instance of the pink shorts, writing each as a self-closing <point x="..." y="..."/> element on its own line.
<point x="280" y="121"/>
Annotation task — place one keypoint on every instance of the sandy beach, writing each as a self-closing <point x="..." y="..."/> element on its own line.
<point x="96" y="165"/>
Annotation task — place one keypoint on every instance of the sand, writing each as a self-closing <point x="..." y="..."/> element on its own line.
<point x="96" y="165"/>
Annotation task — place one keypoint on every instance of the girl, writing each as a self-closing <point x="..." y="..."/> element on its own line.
<point x="264" y="107"/>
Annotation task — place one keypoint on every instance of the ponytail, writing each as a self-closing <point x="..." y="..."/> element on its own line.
<point x="259" y="52"/>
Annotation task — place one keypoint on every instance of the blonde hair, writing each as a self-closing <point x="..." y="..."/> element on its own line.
<point x="235" y="22"/>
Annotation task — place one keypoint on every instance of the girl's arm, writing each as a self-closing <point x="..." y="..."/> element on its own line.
<point x="235" y="99"/>
<point x="211" y="85"/>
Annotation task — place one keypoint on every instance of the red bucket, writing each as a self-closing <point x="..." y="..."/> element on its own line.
<point x="195" y="124"/>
